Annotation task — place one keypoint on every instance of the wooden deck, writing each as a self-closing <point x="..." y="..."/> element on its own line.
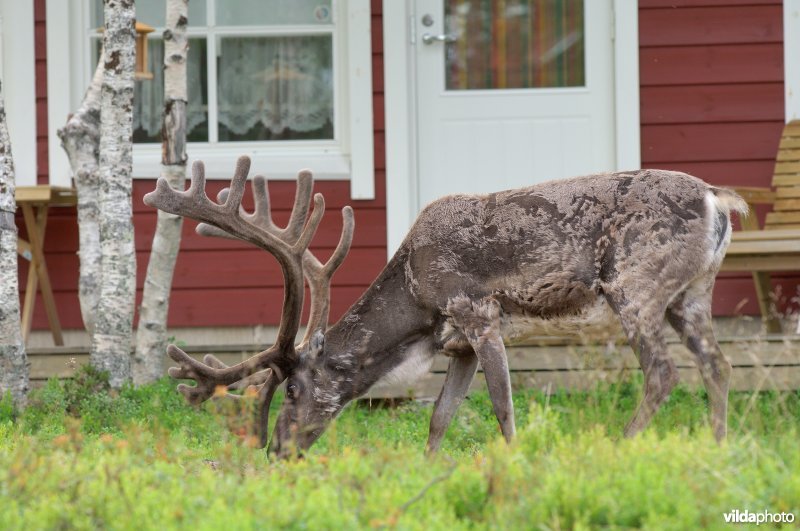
<point x="766" y="362"/>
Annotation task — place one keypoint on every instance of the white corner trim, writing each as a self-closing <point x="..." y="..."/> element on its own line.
<point x="400" y="151"/>
<point x="791" y="57"/>
<point x="626" y="81"/>
<point x="359" y="78"/>
<point x="59" y="93"/>
<point x="19" y="85"/>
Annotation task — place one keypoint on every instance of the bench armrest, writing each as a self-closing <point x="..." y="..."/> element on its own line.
<point x="755" y="195"/>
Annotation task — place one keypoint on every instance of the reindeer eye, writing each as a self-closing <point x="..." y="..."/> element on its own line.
<point x="290" y="391"/>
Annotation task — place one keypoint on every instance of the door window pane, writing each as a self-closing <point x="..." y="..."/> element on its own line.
<point x="273" y="12"/>
<point x="512" y="44"/>
<point x="275" y="88"/>
<point x="153" y="12"/>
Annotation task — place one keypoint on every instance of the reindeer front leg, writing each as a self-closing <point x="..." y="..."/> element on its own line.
<point x="460" y="374"/>
<point x="479" y="321"/>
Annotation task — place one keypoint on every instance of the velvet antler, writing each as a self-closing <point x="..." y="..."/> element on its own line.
<point x="289" y="245"/>
<point x="317" y="275"/>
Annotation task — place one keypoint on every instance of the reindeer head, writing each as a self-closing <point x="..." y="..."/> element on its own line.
<point x="306" y="410"/>
<point x="302" y="418"/>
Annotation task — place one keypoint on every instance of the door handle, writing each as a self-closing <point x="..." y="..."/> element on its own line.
<point x="427" y="38"/>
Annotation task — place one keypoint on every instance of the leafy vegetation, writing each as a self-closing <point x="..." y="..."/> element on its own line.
<point x="84" y="457"/>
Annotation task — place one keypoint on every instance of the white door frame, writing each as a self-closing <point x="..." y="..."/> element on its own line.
<point x="400" y="96"/>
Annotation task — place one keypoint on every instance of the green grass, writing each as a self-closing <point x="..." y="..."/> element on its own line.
<point x="85" y="458"/>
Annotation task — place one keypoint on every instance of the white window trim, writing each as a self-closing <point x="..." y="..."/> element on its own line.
<point x="401" y="182"/>
<point x="349" y="158"/>
<point x="18" y="75"/>
<point x="791" y="58"/>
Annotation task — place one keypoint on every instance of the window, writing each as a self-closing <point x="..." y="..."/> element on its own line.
<point x="280" y="80"/>
<point x="533" y="44"/>
<point x="273" y="72"/>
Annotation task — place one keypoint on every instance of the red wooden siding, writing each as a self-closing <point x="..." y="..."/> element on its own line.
<point x="221" y="282"/>
<point x="40" y="45"/>
<point x="712" y="104"/>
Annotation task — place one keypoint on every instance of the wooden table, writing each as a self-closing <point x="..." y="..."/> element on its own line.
<point x="35" y="201"/>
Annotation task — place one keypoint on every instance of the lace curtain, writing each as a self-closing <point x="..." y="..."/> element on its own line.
<point x="281" y="83"/>
<point x="266" y="86"/>
<point x="148" y="103"/>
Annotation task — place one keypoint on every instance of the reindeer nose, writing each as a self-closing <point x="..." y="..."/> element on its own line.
<point x="274" y="445"/>
<point x="289" y="451"/>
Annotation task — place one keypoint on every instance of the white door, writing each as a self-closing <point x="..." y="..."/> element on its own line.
<point x="512" y="92"/>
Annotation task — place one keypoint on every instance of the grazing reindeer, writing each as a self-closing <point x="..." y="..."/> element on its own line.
<point x="606" y="250"/>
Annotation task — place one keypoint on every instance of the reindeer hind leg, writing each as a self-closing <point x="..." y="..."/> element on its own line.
<point x="690" y="316"/>
<point x="642" y="321"/>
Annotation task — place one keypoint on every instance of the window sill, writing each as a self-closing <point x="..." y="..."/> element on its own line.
<point x="327" y="164"/>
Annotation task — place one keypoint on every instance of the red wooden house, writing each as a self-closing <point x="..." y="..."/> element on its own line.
<point x="395" y="102"/>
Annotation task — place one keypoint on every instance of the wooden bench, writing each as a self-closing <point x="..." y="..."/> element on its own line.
<point x="776" y="245"/>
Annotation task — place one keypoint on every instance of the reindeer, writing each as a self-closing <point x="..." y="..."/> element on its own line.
<point x="626" y="250"/>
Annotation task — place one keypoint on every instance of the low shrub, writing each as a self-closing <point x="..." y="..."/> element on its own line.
<point x="142" y="458"/>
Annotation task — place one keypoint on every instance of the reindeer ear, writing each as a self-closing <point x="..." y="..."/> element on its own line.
<point x="317" y="344"/>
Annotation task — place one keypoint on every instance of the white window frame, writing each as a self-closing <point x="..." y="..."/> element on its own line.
<point x="348" y="157"/>
<point x="18" y="75"/>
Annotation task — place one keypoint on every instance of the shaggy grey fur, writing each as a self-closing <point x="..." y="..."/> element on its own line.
<point x="620" y="251"/>
<point x="643" y="245"/>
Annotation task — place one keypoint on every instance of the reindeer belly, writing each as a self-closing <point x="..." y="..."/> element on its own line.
<point x="417" y="359"/>
<point x="593" y="321"/>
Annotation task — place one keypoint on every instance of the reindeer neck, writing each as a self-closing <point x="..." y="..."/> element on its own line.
<point x="367" y="342"/>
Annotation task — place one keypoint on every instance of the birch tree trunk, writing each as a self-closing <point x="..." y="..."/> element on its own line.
<point x="80" y="138"/>
<point x="14" y="376"/>
<point x="111" y="341"/>
<point x="151" y="335"/>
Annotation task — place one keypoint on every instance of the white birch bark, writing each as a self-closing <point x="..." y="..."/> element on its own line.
<point x="151" y="335"/>
<point x="111" y="341"/>
<point x="80" y="138"/>
<point x="14" y="375"/>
